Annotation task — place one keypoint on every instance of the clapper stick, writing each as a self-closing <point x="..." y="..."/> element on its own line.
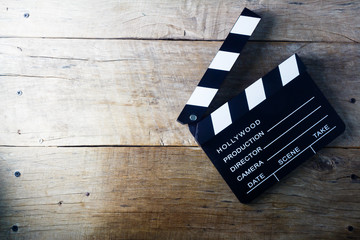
<point x="220" y="66"/>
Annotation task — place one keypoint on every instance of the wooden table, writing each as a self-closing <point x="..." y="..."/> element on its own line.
<point x="89" y="143"/>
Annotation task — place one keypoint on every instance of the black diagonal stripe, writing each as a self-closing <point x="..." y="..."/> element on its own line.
<point x="272" y="82"/>
<point x="213" y="78"/>
<point x="204" y="130"/>
<point x="238" y="106"/>
<point x="247" y="12"/>
<point x="300" y="64"/>
<point x="234" y="43"/>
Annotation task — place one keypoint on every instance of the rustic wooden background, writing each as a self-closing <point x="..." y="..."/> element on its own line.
<point x="89" y="96"/>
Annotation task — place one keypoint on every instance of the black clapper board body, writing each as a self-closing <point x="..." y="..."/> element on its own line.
<point x="269" y="129"/>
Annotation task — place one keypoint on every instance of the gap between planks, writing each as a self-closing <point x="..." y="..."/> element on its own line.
<point x="174" y="39"/>
<point x="139" y="146"/>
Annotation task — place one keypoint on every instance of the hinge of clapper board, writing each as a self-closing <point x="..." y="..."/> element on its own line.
<point x="194" y="110"/>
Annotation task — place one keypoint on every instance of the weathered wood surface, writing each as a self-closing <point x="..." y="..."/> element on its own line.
<point x="169" y="193"/>
<point x="301" y="20"/>
<point x="116" y="74"/>
<point x="130" y="92"/>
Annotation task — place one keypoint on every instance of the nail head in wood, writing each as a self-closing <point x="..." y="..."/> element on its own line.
<point x="14" y="228"/>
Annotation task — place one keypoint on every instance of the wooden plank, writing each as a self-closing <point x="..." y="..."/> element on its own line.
<point x="130" y="92"/>
<point x="300" y="20"/>
<point x="167" y="193"/>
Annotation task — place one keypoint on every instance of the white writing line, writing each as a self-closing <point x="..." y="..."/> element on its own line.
<point x="292" y="127"/>
<point x="313" y="150"/>
<point x="273" y="174"/>
<point x="290" y="114"/>
<point x="275" y="177"/>
<point x="297" y="137"/>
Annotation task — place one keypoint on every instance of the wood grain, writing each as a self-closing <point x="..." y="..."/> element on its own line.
<point x="167" y="193"/>
<point x="89" y="96"/>
<point x="130" y="92"/>
<point x="300" y="20"/>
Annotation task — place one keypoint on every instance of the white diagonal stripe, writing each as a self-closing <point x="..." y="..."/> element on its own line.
<point x="221" y="118"/>
<point x="245" y="25"/>
<point x="202" y="96"/>
<point x="288" y="70"/>
<point x="224" y="60"/>
<point x="255" y="94"/>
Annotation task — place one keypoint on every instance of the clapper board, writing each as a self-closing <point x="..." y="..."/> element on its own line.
<point x="265" y="132"/>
